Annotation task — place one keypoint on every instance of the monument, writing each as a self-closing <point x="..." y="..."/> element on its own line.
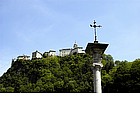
<point x="96" y="50"/>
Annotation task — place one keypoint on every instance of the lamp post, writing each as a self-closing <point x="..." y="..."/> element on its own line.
<point x="96" y="50"/>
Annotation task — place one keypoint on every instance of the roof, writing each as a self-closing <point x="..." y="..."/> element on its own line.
<point x="23" y="56"/>
<point x="46" y="52"/>
<point x="65" y="49"/>
<point x="37" y="52"/>
<point x="78" y="48"/>
<point x="52" y="51"/>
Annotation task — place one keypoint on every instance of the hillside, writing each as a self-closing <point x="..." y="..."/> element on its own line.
<point x="70" y="74"/>
<point x="51" y="74"/>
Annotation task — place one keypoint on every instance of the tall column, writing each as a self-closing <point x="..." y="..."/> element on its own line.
<point x="96" y="50"/>
<point x="97" y="77"/>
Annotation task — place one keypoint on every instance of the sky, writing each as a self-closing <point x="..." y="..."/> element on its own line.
<point x="43" y="25"/>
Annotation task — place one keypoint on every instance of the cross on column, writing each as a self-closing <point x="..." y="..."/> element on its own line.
<point x="95" y="26"/>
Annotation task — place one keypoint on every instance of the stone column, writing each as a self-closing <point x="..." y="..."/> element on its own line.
<point x="97" y="77"/>
<point x="96" y="50"/>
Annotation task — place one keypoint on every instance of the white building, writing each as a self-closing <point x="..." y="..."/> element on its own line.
<point x="23" y="57"/>
<point x="36" y="55"/>
<point x="50" y="53"/>
<point x="64" y="52"/>
<point x="77" y="49"/>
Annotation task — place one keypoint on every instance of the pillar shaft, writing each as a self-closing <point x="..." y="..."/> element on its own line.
<point x="97" y="78"/>
<point x="96" y="49"/>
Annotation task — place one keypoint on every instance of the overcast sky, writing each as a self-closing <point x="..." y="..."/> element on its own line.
<point x="30" y="25"/>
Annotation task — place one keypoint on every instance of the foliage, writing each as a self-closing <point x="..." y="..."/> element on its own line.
<point x="70" y="74"/>
<point x="50" y="74"/>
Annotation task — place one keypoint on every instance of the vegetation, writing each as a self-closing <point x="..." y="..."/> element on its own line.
<point x="70" y="74"/>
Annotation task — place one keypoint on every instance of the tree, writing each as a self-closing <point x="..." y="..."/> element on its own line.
<point x="70" y="74"/>
<point x="108" y="62"/>
<point x="58" y="85"/>
<point x="107" y="82"/>
<point x="122" y="81"/>
<point x="135" y="76"/>
<point x="2" y="89"/>
<point x="9" y="89"/>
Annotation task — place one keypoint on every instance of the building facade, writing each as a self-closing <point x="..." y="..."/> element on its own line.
<point x="75" y="50"/>
<point x="64" y="52"/>
<point x="50" y="53"/>
<point x="23" y="57"/>
<point x="36" y="55"/>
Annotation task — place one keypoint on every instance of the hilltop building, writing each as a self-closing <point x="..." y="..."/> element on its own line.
<point x="36" y="55"/>
<point x="75" y="50"/>
<point x="23" y="57"/>
<point x="64" y="52"/>
<point x="50" y="53"/>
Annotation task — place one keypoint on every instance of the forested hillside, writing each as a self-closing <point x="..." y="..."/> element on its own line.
<point x="70" y="74"/>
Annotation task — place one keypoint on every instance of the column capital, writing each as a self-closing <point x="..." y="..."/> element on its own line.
<point x="98" y="65"/>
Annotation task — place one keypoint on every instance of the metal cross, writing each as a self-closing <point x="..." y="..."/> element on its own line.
<point x="95" y="26"/>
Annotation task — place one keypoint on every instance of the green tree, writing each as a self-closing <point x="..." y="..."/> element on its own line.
<point x="70" y="74"/>
<point x="122" y="81"/>
<point x="2" y="89"/>
<point x="9" y="89"/>
<point x="135" y="76"/>
<point x="108" y="62"/>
